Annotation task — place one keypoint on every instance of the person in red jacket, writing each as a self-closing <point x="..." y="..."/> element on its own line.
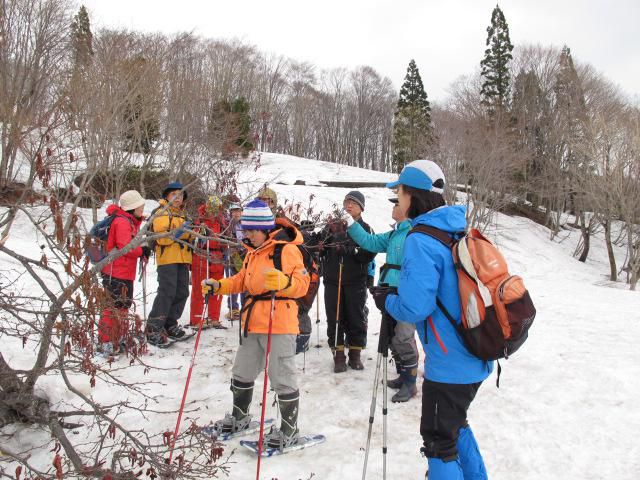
<point x="210" y="222"/>
<point x="118" y="276"/>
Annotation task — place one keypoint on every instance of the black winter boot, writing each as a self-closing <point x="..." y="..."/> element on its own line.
<point x="287" y="435"/>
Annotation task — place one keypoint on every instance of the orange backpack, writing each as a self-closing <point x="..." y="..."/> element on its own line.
<point x="497" y="310"/>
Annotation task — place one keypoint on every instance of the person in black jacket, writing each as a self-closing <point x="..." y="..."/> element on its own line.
<point x="352" y="321"/>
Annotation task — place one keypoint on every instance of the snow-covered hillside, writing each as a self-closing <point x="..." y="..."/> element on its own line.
<point x="566" y="407"/>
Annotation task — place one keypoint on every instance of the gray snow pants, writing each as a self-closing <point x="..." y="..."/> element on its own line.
<point x="403" y="346"/>
<point x="250" y="361"/>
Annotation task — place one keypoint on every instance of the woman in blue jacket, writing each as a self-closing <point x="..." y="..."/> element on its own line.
<point x="452" y="374"/>
<point x="403" y="343"/>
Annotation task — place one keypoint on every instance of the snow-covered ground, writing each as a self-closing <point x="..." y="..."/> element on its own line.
<point x="566" y="408"/>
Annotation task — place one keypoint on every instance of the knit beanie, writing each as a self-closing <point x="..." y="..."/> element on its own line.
<point x="257" y="215"/>
<point x="357" y="197"/>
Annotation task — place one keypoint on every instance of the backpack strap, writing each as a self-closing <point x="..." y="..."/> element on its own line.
<point x="277" y="256"/>
<point x="440" y="235"/>
<point x="384" y="270"/>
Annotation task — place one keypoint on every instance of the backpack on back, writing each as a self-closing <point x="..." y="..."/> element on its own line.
<point x="96" y="243"/>
<point x="497" y="310"/>
<point x="311" y="267"/>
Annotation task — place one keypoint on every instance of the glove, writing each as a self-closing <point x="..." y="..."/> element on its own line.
<point x="209" y="286"/>
<point x="188" y="225"/>
<point x="275" y="280"/>
<point x="146" y="252"/>
<point x="380" y="295"/>
<point x="380" y="298"/>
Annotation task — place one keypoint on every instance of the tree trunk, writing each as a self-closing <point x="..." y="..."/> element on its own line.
<point x="585" y="230"/>
<point x="612" y="258"/>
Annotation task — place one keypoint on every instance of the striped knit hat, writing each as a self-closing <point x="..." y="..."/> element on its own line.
<point x="257" y="215"/>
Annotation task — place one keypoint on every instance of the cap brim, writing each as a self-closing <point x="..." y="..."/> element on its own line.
<point x="393" y="184"/>
<point x="394" y="200"/>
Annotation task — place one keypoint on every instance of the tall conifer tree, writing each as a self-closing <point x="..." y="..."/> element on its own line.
<point x="495" y="65"/>
<point x="412" y="130"/>
<point x="81" y="38"/>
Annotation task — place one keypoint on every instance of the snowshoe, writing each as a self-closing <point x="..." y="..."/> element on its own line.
<point x="276" y="438"/>
<point x="158" y="339"/>
<point x="303" y="441"/>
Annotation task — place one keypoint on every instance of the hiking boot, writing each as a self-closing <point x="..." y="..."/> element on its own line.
<point x="302" y="342"/>
<point x="395" y="384"/>
<point x="176" y="332"/>
<point x="276" y="438"/>
<point x="233" y="314"/>
<point x="354" y="359"/>
<point x="406" y="393"/>
<point x="339" y="362"/>
<point x="158" y="339"/>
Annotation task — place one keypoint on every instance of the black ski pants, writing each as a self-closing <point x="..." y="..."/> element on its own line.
<point x="352" y="320"/>
<point x="120" y="291"/>
<point x="444" y="413"/>
<point x="173" y="292"/>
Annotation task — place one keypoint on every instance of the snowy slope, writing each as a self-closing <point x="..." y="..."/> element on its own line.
<point x="567" y="404"/>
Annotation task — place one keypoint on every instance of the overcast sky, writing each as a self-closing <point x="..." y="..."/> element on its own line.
<point x="445" y="37"/>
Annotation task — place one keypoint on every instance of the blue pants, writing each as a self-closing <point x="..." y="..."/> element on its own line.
<point x="468" y="466"/>
<point x="449" y="444"/>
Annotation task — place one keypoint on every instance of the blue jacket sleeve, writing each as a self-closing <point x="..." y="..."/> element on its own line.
<point x="419" y="279"/>
<point x="369" y="241"/>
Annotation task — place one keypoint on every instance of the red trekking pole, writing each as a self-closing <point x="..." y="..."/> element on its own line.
<point x="186" y="386"/>
<point x="264" y="388"/>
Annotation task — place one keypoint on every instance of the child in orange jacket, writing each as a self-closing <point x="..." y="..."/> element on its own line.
<point x="259" y="278"/>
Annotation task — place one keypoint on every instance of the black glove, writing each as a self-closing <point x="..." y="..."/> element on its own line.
<point x="146" y="252"/>
<point x="380" y="295"/>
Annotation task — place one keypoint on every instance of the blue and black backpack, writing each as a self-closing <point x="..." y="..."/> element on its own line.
<point x="96" y="245"/>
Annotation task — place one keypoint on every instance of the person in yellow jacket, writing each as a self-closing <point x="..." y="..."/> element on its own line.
<point x="265" y="239"/>
<point x="173" y="257"/>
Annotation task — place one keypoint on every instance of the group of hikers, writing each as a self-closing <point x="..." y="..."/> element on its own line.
<point x="268" y="266"/>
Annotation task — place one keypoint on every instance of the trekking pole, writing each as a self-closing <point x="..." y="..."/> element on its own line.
<point x="186" y="386"/>
<point x="318" y="319"/>
<point x="207" y="276"/>
<point x="383" y="348"/>
<point x="264" y="387"/>
<point x="335" y="341"/>
<point x="385" y="393"/>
